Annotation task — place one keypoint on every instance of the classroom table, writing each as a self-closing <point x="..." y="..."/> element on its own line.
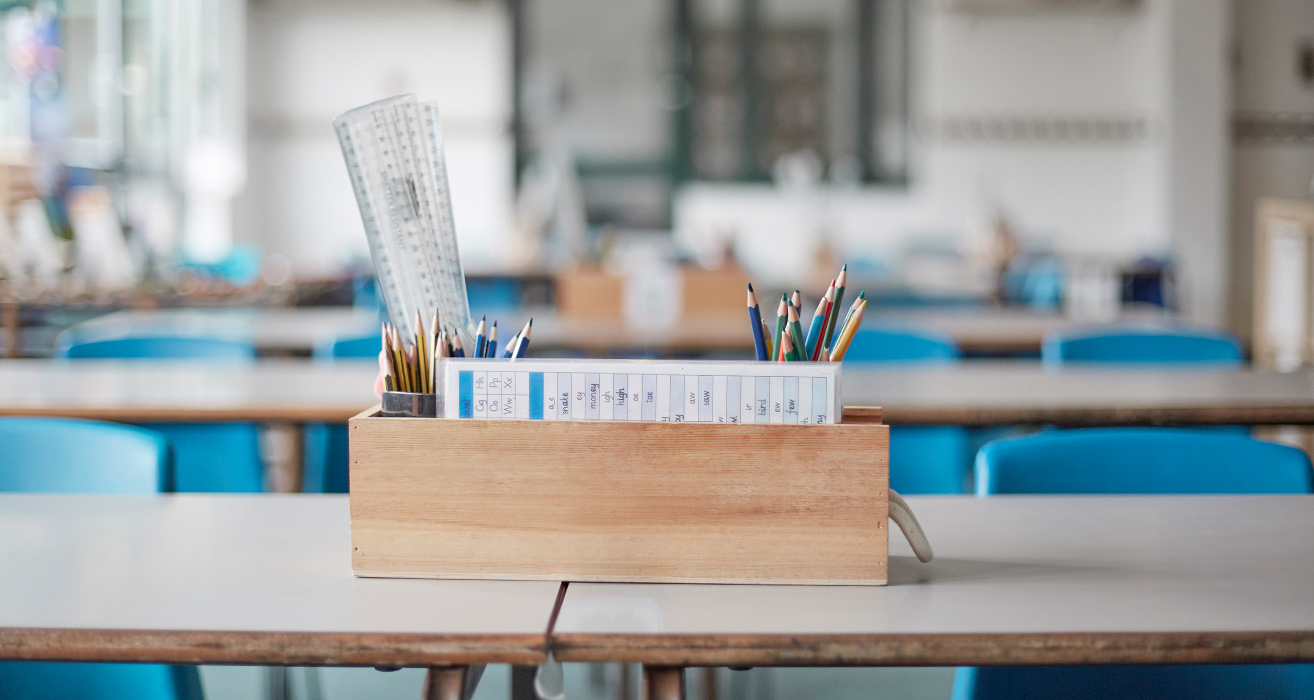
<point x="296" y="331"/>
<point x="977" y="392"/>
<point x="269" y="390"/>
<point x="985" y="392"/>
<point x="273" y="331"/>
<point x="1015" y="580"/>
<point x="264" y="580"/>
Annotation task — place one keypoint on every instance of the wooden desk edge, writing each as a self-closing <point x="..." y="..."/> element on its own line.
<point x="270" y="648"/>
<point x="183" y="414"/>
<point x="937" y="649"/>
<point x="1104" y="416"/>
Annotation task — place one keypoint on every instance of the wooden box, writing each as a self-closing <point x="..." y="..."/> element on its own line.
<point x="615" y="501"/>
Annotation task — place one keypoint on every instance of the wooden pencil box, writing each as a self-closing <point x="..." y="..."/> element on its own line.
<point x="618" y="501"/>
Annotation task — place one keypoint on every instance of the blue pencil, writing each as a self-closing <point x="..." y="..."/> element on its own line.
<point x="814" y="330"/>
<point x="492" y="342"/>
<point x="755" y="320"/>
<point x="457" y="349"/>
<point x="522" y="347"/>
<point x="481" y="341"/>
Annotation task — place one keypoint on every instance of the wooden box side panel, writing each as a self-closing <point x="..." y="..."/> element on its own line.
<point x="619" y="501"/>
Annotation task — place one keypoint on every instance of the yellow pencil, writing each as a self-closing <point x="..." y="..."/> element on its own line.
<point x="850" y="330"/>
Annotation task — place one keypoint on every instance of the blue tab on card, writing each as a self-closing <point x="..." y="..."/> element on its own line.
<point x="535" y="396"/>
<point x="467" y="395"/>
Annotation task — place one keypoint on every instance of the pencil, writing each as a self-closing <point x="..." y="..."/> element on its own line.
<point x="796" y="301"/>
<point x="829" y="299"/>
<point x="849" y="315"/>
<point x="818" y="317"/>
<point x="786" y="346"/>
<point x="511" y="346"/>
<point x="491" y="352"/>
<point x="796" y="334"/>
<point x="835" y="308"/>
<point x="422" y="355"/>
<point x="782" y="317"/>
<point x="842" y="345"/>
<point x="755" y="322"/>
<point x="481" y="340"/>
<point x="523" y="346"/>
<point x="766" y="338"/>
<point x="457" y="349"/>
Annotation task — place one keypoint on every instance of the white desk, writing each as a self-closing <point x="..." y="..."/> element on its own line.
<point x="981" y="392"/>
<point x="294" y="391"/>
<point x="1015" y="580"/>
<point x="237" y="579"/>
<point x="271" y="330"/>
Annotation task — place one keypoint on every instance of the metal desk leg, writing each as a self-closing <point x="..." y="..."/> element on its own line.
<point x="452" y="682"/>
<point x="522" y="682"/>
<point x="663" y="683"/>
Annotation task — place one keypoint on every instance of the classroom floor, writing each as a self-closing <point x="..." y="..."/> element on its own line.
<point x="589" y="682"/>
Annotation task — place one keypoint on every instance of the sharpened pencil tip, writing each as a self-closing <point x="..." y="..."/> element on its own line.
<point x="750" y="286"/>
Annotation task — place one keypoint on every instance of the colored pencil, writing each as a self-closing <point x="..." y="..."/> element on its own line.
<point x="796" y="301"/>
<point x="835" y="308"/>
<point x="818" y="317"/>
<point x="770" y="346"/>
<point x="523" y="346"/>
<point x="796" y="333"/>
<point x="782" y="318"/>
<point x="458" y="350"/>
<point x="481" y="340"/>
<point x="755" y="321"/>
<point x="491" y="352"/>
<point x="854" y="307"/>
<point x="786" y="346"/>
<point x="510" y="346"/>
<point x="829" y="299"/>
<point x="842" y="345"/>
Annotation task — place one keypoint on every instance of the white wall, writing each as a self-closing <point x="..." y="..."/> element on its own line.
<point x="1267" y="34"/>
<point x="308" y="64"/>
<point x="1114" y="196"/>
<point x="1090" y="196"/>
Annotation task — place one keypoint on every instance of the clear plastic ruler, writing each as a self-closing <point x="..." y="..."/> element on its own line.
<point x="394" y="154"/>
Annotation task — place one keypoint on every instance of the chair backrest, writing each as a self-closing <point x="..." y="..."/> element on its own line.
<point x="158" y="346"/>
<point x="884" y="344"/>
<point x="1140" y="345"/>
<point x="82" y="456"/>
<point x="1140" y="461"/>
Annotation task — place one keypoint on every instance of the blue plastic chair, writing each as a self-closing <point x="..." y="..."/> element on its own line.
<point x="326" y="453"/>
<point x="80" y="456"/>
<point x="1139" y="461"/>
<point x="209" y="457"/>
<point x="924" y="459"/>
<point x="1129" y="345"/>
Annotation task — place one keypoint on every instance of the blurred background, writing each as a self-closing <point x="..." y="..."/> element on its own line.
<point x="1081" y="157"/>
<point x="990" y="170"/>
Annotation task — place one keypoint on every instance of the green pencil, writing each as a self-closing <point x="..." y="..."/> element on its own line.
<point x="796" y="333"/>
<point x="782" y="316"/>
<point x="849" y="315"/>
<point x="835" y="308"/>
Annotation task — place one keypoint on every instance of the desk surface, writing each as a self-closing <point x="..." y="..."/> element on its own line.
<point x="971" y="393"/>
<point x="1015" y="580"/>
<point x="297" y="330"/>
<point x="236" y="579"/>
<point x="183" y="390"/>
<point x="1022" y="392"/>
<point x="272" y="330"/>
